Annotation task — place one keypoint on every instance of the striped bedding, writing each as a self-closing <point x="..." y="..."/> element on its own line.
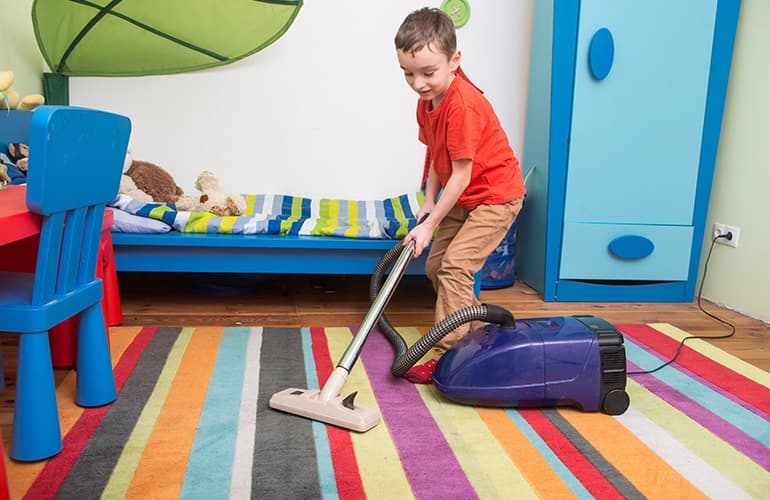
<point x="389" y="218"/>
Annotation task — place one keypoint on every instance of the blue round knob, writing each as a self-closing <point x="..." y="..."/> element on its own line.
<point x="601" y="53"/>
<point x="631" y="247"/>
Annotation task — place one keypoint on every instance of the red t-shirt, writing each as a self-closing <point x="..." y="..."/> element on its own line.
<point x="464" y="126"/>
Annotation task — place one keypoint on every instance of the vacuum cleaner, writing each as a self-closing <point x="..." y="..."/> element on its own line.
<point x="542" y="362"/>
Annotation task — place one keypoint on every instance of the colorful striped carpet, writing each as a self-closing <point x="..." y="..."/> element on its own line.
<point x="192" y="421"/>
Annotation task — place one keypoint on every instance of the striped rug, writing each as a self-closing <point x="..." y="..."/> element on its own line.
<point x="192" y="421"/>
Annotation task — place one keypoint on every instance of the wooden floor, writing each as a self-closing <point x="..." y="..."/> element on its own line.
<point x="204" y="299"/>
<point x="170" y="299"/>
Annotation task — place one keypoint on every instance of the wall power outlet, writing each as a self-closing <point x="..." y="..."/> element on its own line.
<point x="720" y="229"/>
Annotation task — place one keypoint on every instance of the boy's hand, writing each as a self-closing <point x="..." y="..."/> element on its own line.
<point x="418" y="238"/>
<point x="421" y="236"/>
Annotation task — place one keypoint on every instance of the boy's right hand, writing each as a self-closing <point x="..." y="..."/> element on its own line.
<point x="421" y="236"/>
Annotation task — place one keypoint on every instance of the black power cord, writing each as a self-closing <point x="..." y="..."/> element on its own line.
<point x="728" y="236"/>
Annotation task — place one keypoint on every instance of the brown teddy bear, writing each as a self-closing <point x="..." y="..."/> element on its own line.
<point x="155" y="181"/>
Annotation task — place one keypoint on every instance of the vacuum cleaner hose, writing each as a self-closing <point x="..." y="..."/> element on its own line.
<point x="406" y="357"/>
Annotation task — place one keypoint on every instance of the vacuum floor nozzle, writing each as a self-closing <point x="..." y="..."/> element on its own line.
<point x="339" y="411"/>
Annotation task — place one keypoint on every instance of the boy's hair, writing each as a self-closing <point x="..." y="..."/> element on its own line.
<point x="427" y="27"/>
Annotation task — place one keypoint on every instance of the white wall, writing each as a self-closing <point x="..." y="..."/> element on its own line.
<point x="323" y="112"/>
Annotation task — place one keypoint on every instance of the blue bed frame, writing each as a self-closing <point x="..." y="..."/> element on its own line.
<point x="238" y="253"/>
<point x="228" y="253"/>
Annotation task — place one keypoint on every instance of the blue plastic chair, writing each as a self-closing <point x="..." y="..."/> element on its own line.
<point x="75" y="164"/>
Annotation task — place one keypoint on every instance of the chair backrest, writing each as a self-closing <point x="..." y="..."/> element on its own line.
<point x="75" y="163"/>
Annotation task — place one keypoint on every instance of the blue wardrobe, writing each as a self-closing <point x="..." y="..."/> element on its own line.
<point x="624" y="112"/>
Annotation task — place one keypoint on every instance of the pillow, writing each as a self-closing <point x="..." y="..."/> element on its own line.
<point x="125" y="222"/>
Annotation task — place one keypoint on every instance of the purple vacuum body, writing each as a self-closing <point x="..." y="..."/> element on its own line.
<point x="559" y="361"/>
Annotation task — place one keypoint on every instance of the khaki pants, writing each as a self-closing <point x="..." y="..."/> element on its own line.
<point x="459" y="250"/>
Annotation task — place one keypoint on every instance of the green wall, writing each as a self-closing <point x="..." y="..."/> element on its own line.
<point x="738" y="277"/>
<point x="18" y="49"/>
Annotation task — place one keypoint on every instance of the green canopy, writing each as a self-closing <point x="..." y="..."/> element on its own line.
<point x="152" y="37"/>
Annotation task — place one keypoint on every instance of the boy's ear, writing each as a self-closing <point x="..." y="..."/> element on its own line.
<point x="454" y="61"/>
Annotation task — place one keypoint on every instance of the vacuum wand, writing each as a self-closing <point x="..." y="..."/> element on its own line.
<point x="379" y="304"/>
<point x="326" y="405"/>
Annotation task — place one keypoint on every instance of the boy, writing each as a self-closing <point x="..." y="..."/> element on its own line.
<point x="472" y="164"/>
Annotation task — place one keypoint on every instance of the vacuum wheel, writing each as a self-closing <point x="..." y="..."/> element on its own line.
<point x="616" y="402"/>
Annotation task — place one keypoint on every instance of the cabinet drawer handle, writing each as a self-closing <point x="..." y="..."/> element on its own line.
<point x="601" y="53"/>
<point x="631" y="247"/>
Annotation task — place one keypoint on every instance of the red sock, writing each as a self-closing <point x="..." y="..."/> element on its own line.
<point x="421" y="374"/>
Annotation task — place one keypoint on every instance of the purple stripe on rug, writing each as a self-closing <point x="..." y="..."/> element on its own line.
<point x="429" y="462"/>
<point x="722" y="392"/>
<point x="708" y="419"/>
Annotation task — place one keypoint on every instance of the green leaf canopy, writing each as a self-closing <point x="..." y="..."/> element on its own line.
<point x="153" y="37"/>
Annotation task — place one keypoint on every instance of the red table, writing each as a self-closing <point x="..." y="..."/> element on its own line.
<point x="19" y="229"/>
<point x="16" y="221"/>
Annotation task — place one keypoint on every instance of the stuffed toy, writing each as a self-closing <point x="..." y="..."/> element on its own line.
<point x="155" y="181"/>
<point x="10" y="99"/>
<point x="212" y="199"/>
<point x="128" y="188"/>
<point x="4" y="178"/>
<point x="18" y="153"/>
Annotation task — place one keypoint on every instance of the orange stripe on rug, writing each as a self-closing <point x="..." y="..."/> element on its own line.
<point x="544" y="480"/>
<point x="656" y="479"/>
<point x="161" y="470"/>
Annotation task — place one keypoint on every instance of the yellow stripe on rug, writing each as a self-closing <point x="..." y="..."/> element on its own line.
<point x="378" y="460"/>
<point x="487" y="465"/>
<point x="161" y="470"/>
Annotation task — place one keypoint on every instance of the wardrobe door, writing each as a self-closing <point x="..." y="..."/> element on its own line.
<point x="636" y="132"/>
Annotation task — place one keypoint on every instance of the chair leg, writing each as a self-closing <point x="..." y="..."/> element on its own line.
<point x="36" y="431"/>
<point x="95" y="379"/>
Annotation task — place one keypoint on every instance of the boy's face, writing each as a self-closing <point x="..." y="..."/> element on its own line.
<point x="429" y="72"/>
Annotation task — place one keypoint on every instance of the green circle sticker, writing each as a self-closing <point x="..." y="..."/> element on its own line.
<point x="458" y="10"/>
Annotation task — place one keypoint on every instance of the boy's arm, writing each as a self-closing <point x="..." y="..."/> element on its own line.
<point x="432" y="189"/>
<point x="458" y="181"/>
